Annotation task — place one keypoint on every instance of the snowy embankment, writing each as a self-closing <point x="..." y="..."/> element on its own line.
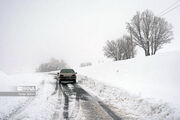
<point x="142" y="88"/>
<point x="12" y="105"/>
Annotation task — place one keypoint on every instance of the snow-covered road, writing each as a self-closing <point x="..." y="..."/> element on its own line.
<point x="56" y="101"/>
<point x="85" y="105"/>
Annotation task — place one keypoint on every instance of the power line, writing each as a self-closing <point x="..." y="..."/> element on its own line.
<point x="167" y="9"/>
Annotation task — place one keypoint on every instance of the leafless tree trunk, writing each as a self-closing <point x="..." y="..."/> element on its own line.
<point x="121" y="49"/>
<point x="149" y="31"/>
<point x="110" y="50"/>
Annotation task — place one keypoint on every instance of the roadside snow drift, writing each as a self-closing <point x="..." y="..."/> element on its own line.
<point x="10" y="105"/>
<point x="156" y="77"/>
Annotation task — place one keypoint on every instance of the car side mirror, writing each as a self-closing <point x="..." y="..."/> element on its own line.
<point x="75" y="72"/>
<point x="58" y="73"/>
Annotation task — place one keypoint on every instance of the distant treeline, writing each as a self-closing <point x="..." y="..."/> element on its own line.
<point x="52" y="65"/>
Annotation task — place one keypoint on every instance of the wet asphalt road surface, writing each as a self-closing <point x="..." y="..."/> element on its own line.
<point x="80" y="105"/>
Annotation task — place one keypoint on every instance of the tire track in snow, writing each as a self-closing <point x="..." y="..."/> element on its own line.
<point x="57" y="114"/>
<point x="71" y="105"/>
<point x="91" y="107"/>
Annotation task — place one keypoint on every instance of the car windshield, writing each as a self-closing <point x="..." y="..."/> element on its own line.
<point x="67" y="71"/>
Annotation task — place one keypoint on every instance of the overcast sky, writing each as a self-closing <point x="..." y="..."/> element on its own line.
<point x="32" y="31"/>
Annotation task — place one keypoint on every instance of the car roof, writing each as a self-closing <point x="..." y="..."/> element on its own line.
<point x="66" y="69"/>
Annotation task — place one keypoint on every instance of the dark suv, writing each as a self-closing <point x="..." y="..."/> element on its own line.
<point x="67" y="76"/>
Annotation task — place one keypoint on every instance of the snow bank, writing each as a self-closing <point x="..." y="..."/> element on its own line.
<point x="9" y="84"/>
<point x="4" y="79"/>
<point x="156" y="77"/>
<point x="44" y="105"/>
<point x="128" y="106"/>
<point x="3" y="76"/>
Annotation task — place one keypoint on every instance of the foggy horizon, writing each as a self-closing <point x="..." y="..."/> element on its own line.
<point x="32" y="32"/>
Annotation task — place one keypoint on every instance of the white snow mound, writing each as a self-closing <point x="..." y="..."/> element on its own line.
<point x="156" y="77"/>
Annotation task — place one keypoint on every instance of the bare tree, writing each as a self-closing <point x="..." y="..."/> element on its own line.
<point x="121" y="49"/>
<point x="149" y="31"/>
<point x="110" y="50"/>
<point x="128" y="47"/>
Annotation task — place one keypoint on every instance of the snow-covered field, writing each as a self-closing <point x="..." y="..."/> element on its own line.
<point x="142" y="88"/>
<point x="145" y="88"/>
<point x="28" y="107"/>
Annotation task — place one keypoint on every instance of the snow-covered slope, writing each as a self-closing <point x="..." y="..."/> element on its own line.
<point x="8" y="83"/>
<point x="156" y="77"/>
